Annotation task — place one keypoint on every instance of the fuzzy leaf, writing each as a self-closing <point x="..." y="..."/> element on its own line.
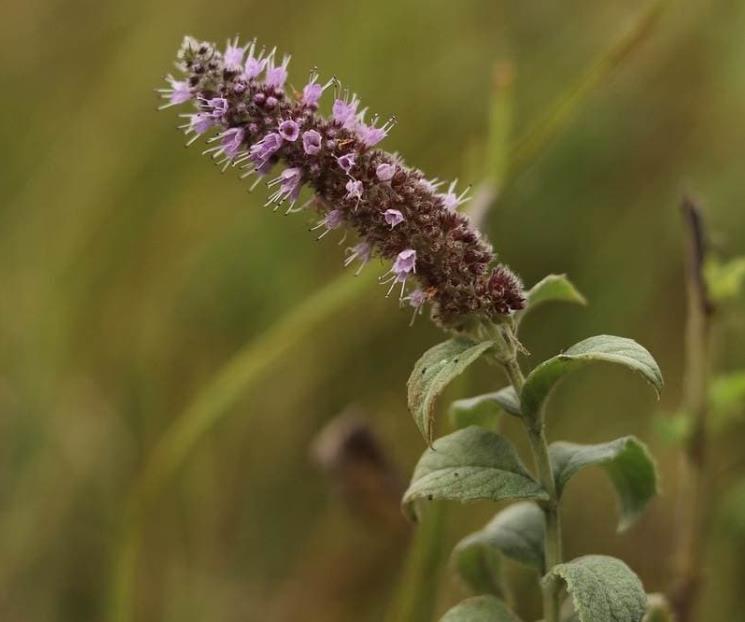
<point x="552" y="288"/>
<point x="603" y="589"/>
<point x="468" y="465"/>
<point x="626" y="461"/>
<point x="517" y="532"/>
<point x="480" y="609"/>
<point x="484" y="409"/>
<point x="433" y="371"/>
<point x="603" y="348"/>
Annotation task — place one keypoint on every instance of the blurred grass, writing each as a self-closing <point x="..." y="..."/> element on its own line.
<point x="132" y="273"/>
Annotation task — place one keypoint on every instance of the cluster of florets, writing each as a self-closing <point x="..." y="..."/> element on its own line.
<point x="398" y="214"/>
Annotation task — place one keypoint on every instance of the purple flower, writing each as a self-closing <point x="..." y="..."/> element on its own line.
<point x="233" y="55"/>
<point x="254" y="64"/>
<point x="265" y="149"/>
<point x="289" y="186"/>
<point x="359" y="252"/>
<point x="218" y="106"/>
<point x="393" y="217"/>
<point x="200" y="123"/>
<point x="405" y="263"/>
<point x="343" y="112"/>
<point x="451" y="201"/>
<point x="276" y="76"/>
<point x="346" y="162"/>
<point x="354" y="189"/>
<point x="232" y="141"/>
<point x="417" y="298"/>
<point x="371" y="135"/>
<point x="312" y="91"/>
<point x="289" y="130"/>
<point x="177" y="93"/>
<point x="385" y="172"/>
<point x="332" y="220"/>
<point x="311" y="142"/>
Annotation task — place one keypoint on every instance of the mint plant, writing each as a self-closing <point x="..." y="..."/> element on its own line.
<point x="333" y="169"/>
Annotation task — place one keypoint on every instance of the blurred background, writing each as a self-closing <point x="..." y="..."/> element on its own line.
<point x="140" y="287"/>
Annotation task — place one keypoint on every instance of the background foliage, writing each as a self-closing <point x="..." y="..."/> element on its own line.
<point x="132" y="272"/>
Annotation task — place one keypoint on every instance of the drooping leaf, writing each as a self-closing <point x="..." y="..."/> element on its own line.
<point x="433" y="371"/>
<point x="484" y="409"/>
<point x="626" y="461"/>
<point x="552" y="288"/>
<point x="603" y="589"/>
<point x="468" y="465"/>
<point x="658" y="609"/>
<point x="517" y="532"/>
<point x="603" y="348"/>
<point x="727" y="399"/>
<point x="480" y="609"/>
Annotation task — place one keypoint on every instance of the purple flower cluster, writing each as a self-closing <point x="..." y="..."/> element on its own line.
<point x="397" y="213"/>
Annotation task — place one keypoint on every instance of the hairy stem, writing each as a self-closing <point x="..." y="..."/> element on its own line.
<point x="692" y="496"/>
<point x="539" y="449"/>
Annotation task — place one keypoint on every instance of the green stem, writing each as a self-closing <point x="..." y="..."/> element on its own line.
<point x="539" y="448"/>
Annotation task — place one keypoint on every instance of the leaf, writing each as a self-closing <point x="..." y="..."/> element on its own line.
<point x="658" y="609"/>
<point x="468" y="465"/>
<point x="484" y="409"/>
<point x="603" y="589"/>
<point x="433" y="371"/>
<point x="552" y="288"/>
<point x="517" y="532"/>
<point x="725" y="279"/>
<point x="480" y="609"/>
<point x="727" y="398"/>
<point x="603" y="348"/>
<point x="626" y="461"/>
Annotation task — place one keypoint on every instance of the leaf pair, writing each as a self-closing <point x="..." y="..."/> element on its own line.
<point x="475" y="463"/>
<point x="601" y="589"/>
<point x="440" y="364"/>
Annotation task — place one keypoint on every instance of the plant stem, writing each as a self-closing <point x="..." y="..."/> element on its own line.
<point x="693" y="500"/>
<point x="539" y="449"/>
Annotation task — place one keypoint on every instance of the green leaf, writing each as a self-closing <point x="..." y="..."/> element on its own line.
<point x="484" y="409"/>
<point x="626" y="461"/>
<point x="603" y="589"/>
<point x="727" y="398"/>
<point x="517" y="532"/>
<point x="725" y="279"/>
<point x="552" y="288"/>
<point x="468" y="465"/>
<point x="433" y="371"/>
<point x="603" y="348"/>
<point x="658" y="609"/>
<point x="480" y="609"/>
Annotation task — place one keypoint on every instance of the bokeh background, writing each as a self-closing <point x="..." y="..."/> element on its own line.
<point x="133" y="273"/>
